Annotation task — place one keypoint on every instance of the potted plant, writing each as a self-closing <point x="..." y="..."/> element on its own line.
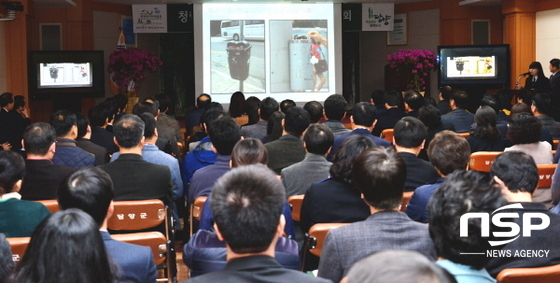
<point x="413" y="64"/>
<point x="127" y="68"/>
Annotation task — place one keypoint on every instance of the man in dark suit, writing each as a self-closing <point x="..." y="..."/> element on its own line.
<point x="267" y="107"/>
<point x="413" y="101"/>
<point x="409" y="137"/>
<point x="388" y="118"/>
<point x="247" y="205"/>
<point x="334" y="111"/>
<point x="193" y="119"/>
<point x="14" y="122"/>
<point x="67" y="151"/>
<point x="133" y="177"/>
<point x="99" y="118"/>
<point x="84" y="142"/>
<point x="461" y="119"/>
<point x="42" y="177"/>
<point x="364" y="120"/>
<point x="542" y="109"/>
<point x="379" y="173"/>
<point x="288" y="149"/>
<point x="6" y="104"/>
<point x="554" y="67"/>
<point x="517" y="175"/>
<point x="91" y="190"/>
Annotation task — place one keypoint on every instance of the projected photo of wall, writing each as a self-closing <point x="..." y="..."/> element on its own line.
<point x="299" y="56"/>
<point x="237" y="56"/>
<point x="471" y="67"/>
<point x="64" y="74"/>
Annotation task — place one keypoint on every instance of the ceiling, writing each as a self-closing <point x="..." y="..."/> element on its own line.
<point x="70" y="3"/>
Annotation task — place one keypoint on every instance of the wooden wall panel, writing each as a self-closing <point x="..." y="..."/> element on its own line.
<point x="520" y="35"/>
<point x="455" y="32"/>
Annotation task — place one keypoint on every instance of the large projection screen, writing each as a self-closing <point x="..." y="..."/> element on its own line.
<point x="280" y="42"/>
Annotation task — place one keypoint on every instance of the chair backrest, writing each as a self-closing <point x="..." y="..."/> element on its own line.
<point x="464" y="134"/>
<point x="545" y="175"/>
<point x="482" y="160"/>
<point x="547" y="274"/>
<point x="405" y="200"/>
<point x="387" y="135"/>
<point x="51" y="204"/>
<point x="137" y="214"/>
<point x="18" y="246"/>
<point x="197" y="207"/>
<point x="154" y="240"/>
<point x="317" y="234"/>
<point x="295" y="202"/>
<point x="555" y="144"/>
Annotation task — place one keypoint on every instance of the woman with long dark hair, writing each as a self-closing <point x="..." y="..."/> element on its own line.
<point x="66" y="248"/>
<point x="537" y="81"/>
<point x="485" y="137"/>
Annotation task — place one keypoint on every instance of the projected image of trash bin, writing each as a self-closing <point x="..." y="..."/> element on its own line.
<point x="239" y="54"/>
<point x="301" y="70"/>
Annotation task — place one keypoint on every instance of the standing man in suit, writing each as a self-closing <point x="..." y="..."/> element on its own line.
<point x="247" y="205"/>
<point x="409" y="137"/>
<point x="461" y="119"/>
<point x="379" y="173"/>
<point x="554" y="67"/>
<point x="133" y="177"/>
<point x="6" y="105"/>
<point x="15" y="123"/>
<point x="288" y="149"/>
<point x="298" y="177"/>
<point x="91" y="190"/>
<point x="42" y="177"/>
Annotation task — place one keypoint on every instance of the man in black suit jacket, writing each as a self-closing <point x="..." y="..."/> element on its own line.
<point x="409" y="137"/>
<point x="42" y="177"/>
<point x="247" y="205"/>
<point x="14" y="122"/>
<point x="554" y="67"/>
<point x="84" y="142"/>
<point x="388" y="118"/>
<point x="99" y="118"/>
<point x="133" y="177"/>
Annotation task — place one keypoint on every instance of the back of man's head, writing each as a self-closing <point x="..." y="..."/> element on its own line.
<point x="449" y="152"/>
<point x="296" y="121"/>
<point x="19" y="101"/>
<point x="203" y="100"/>
<point x="409" y="132"/>
<point x="268" y="106"/>
<point x="38" y="138"/>
<point x="247" y="205"/>
<point x="461" y="99"/>
<point x="335" y="107"/>
<point x="224" y="133"/>
<point x="318" y="139"/>
<point x="517" y="170"/>
<point x="82" y="124"/>
<point x="413" y="99"/>
<point x="542" y="102"/>
<point x="98" y="115"/>
<point x="12" y="170"/>
<point x="379" y="173"/>
<point x="315" y="110"/>
<point x="392" y="98"/>
<point x="462" y="192"/>
<point x="63" y="121"/>
<point x="145" y="107"/>
<point x="164" y="102"/>
<point x="149" y="125"/>
<point x="89" y="189"/>
<point x="210" y="115"/>
<point x="492" y="101"/>
<point x="285" y="104"/>
<point x="120" y="100"/>
<point x="389" y="267"/>
<point x="129" y="131"/>
<point x="378" y="97"/>
<point x="364" y="114"/>
<point x="6" y="98"/>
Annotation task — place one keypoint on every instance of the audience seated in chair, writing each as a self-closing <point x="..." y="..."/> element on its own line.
<point x="85" y="143"/>
<point x="485" y="136"/>
<point x="431" y="117"/>
<point x="193" y="119"/>
<point x="334" y="110"/>
<point x="18" y="218"/>
<point x="396" y="266"/>
<point x="541" y="108"/>
<point x="99" y="117"/>
<point x="315" y="110"/>
<point x="288" y="149"/>
<point x="448" y="152"/>
<point x="463" y="192"/>
<point x="517" y="176"/>
<point x="67" y="151"/>
<point x="42" y="177"/>
<point x="247" y="205"/>
<point x="66" y="248"/>
<point x="413" y="101"/>
<point x="524" y="132"/>
<point x="388" y="118"/>
<point x="91" y="190"/>
<point x="461" y="119"/>
<point x="258" y="130"/>
<point x="379" y="173"/>
<point x="318" y="140"/>
<point x="133" y="177"/>
<point x="409" y="136"/>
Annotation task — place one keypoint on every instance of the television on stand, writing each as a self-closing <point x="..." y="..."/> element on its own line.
<point x="68" y="74"/>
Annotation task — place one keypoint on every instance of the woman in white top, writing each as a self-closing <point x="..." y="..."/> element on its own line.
<point x="524" y="132"/>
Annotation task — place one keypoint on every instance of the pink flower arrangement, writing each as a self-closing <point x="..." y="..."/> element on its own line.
<point x="128" y="66"/>
<point x="415" y="64"/>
